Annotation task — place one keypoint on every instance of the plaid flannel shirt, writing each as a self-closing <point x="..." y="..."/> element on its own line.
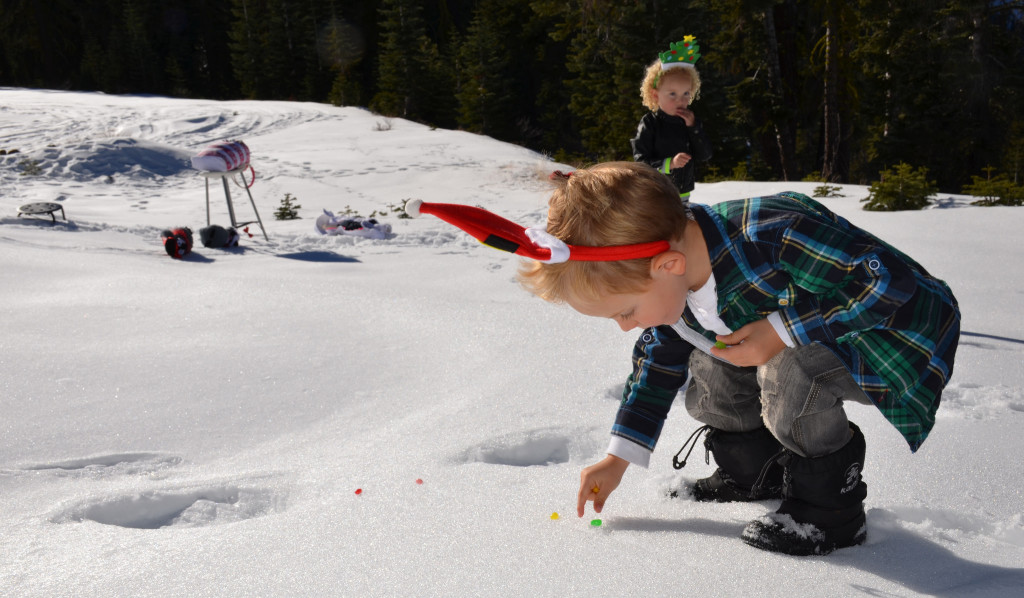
<point x="892" y="324"/>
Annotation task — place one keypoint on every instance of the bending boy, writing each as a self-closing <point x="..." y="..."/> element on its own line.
<point x="813" y="312"/>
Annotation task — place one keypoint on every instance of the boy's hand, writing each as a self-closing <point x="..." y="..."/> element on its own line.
<point x="753" y="344"/>
<point x="680" y="160"/>
<point x="598" y="481"/>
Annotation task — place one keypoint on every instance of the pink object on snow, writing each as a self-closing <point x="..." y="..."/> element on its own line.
<point x="222" y="157"/>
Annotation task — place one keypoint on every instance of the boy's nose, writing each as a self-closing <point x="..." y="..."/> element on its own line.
<point x="627" y="326"/>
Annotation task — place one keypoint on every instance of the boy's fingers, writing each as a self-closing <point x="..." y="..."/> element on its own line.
<point x="726" y="338"/>
<point x="581" y="500"/>
<point x="588" y="491"/>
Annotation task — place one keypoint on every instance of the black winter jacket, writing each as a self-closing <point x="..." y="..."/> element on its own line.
<point x="659" y="137"/>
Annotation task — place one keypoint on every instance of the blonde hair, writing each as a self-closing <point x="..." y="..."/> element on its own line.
<point x="615" y="203"/>
<point x="656" y="74"/>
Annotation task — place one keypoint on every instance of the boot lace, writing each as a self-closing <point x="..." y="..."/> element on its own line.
<point x="692" y="441"/>
<point x="780" y="458"/>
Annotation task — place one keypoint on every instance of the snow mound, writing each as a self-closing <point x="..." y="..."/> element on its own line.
<point x="126" y="157"/>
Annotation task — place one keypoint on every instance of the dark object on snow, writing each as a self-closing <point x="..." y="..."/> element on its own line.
<point x="42" y="207"/>
<point x="356" y="224"/>
<point x="177" y="242"/>
<point x="746" y="466"/>
<point x="217" y="236"/>
<point x="822" y="504"/>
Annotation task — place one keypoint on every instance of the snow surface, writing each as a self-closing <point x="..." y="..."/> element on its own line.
<point x="201" y="427"/>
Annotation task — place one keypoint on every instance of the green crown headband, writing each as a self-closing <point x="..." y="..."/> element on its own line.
<point x="684" y="53"/>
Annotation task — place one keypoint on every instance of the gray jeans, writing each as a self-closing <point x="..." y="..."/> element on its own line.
<point x="798" y="395"/>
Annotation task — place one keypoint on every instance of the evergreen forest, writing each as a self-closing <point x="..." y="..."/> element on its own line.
<point x="829" y="90"/>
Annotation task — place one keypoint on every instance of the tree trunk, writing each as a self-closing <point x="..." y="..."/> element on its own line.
<point x="831" y="117"/>
<point x="784" y="138"/>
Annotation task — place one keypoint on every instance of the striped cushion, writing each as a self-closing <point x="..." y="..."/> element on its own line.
<point x="222" y="157"/>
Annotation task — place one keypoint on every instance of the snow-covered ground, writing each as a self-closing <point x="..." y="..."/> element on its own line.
<point x="254" y="421"/>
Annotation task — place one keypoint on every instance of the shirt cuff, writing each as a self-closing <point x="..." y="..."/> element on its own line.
<point x="630" y="451"/>
<point x="775" y="319"/>
<point x="666" y="166"/>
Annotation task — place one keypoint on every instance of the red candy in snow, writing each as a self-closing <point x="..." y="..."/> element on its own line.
<point x="359" y="490"/>
<point x="419" y="481"/>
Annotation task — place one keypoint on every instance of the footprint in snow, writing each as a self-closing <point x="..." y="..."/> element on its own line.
<point x="946" y="523"/>
<point x="974" y="401"/>
<point x="544" y="446"/>
<point x="524" y="449"/>
<point x="183" y="508"/>
<point x="115" y="464"/>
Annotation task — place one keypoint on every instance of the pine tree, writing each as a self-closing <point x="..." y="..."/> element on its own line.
<point x="1013" y="154"/>
<point x="247" y="46"/>
<point x="900" y="188"/>
<point x="342" y="46"/>
<point x="136" y="18"/>
<point x="945" y="83"/>
<point x="39" y="42"/>
<point x="487" y="96"/>
<point x="759" y="46"/>
<point x="838" y="109"/>
<point x="435" y="88"/>
<point x="609" y="45"/>
<point x="103" y="52"/>
<point x="281" y="68"/>
<point x="401" y="62"/>
<point x="287" y="210"/>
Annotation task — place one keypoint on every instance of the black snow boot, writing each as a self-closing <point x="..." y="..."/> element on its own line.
<point x="746" y="466"/>
<point x="822" y="506"/>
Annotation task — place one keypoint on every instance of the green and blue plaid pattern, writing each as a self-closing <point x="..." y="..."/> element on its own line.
<point x="892" y="324"/>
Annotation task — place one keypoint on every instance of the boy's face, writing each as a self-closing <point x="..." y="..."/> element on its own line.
<point x="661" y="303"/>
<point x="673" y="93"/>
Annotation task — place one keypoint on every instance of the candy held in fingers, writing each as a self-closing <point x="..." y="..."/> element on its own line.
<point x="720" y="345"/>
<point x="595" y="489"/>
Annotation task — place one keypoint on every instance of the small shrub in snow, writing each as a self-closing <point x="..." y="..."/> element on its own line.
<point x="287" y="210"/>
<point x="30" y="167"/>
<point x="996" y="190"/>
<point x="901" y="188"/>
<point x="828" y="191"/>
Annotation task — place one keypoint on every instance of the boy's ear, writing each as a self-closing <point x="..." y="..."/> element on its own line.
<point x="669" y="262"/>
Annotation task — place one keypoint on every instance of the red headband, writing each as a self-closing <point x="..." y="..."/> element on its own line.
<point x="494" y="231"/>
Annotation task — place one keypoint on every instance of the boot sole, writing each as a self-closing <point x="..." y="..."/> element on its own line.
<point x="802" y="539"/>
